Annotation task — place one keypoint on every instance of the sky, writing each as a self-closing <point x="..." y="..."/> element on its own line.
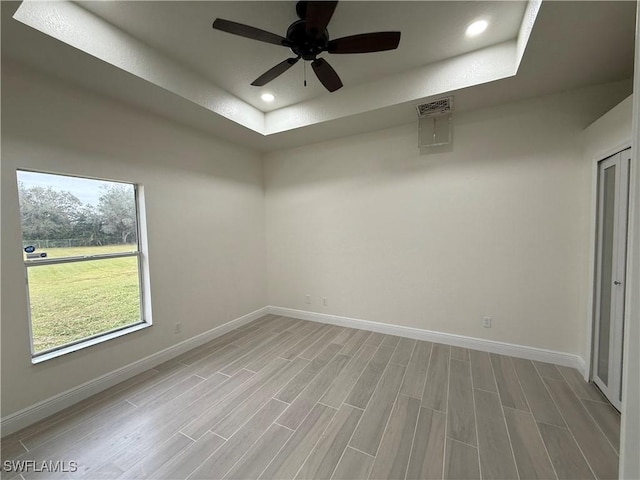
<point x="88" y="191"/>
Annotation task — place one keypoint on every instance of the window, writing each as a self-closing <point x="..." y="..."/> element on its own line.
<point x="81" y="251"/>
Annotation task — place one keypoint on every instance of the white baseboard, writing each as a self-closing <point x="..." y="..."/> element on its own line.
<point x="15" y="421"/>
<point x="18" y="420"/>
<point x="513" y="350"/>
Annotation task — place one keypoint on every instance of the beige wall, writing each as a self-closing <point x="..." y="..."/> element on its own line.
<point x="495" y="226"/>
<point x="205" y="223"/>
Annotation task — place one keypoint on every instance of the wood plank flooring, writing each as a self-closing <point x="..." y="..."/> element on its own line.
<point x="281" y="398"/>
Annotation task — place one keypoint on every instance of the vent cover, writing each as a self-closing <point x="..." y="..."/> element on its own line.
<point x="434" y="123"/>
<point x="437" y="107"/>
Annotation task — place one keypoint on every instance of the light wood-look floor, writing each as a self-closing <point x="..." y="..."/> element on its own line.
<point x="284" y="398"/>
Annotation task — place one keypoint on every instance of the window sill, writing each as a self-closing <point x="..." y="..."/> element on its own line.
<point x="88" y="343"/>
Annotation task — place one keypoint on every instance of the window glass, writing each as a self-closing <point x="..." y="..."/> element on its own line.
<point x="80" y="246"/>
<point x="66" y="216"/>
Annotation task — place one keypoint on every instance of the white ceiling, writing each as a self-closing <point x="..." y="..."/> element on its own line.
<point x="161" y="65"/>
<point x="431" y="31"/>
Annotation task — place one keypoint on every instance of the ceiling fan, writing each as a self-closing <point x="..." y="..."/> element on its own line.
<point x="307" y="38"/>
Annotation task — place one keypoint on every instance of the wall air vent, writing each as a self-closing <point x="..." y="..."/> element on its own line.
<point x="437" y="107"/>
<point x="434" y="123"/>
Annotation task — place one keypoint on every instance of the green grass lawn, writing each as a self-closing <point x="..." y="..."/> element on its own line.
<point x="71" y="301"/>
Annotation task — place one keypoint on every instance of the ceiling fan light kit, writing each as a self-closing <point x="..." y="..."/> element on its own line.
<point x="307" y="38"/>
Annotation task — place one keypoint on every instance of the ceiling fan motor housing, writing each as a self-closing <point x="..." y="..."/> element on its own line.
<point x="305" y="45"/>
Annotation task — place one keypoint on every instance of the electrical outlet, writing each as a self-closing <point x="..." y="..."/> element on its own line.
<point x="307" y="299"/>
<point x="325" y="302"/>
<point x="486" y="322"/>
<point x="178" y="328"/>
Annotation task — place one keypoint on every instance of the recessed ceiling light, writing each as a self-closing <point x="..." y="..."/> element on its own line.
<point x="476" y="28"/>
<point x="267" y="97"/>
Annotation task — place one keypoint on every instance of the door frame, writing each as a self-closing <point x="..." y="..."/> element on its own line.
<point x="613" y="388"/>
<point x="593" y="242"/>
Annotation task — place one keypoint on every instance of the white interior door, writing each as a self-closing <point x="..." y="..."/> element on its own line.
<point x="613" y="204"/>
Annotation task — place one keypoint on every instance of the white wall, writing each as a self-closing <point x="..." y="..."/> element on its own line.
<point x="495" y="226"/>
<point x="609" y="132"/>
<point x="630" y="421"/>
<point x="205" y="223"/>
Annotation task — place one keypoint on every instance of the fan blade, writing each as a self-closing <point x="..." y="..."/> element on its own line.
<point x="326" y="74"/>
<point x="274" y="72"/>
<point x="365" y="43"/>
<point x="318" y="15"/>
<point x="248" y="32"/>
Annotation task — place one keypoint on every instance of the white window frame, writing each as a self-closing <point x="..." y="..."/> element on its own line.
<point x="144" y="320"/>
